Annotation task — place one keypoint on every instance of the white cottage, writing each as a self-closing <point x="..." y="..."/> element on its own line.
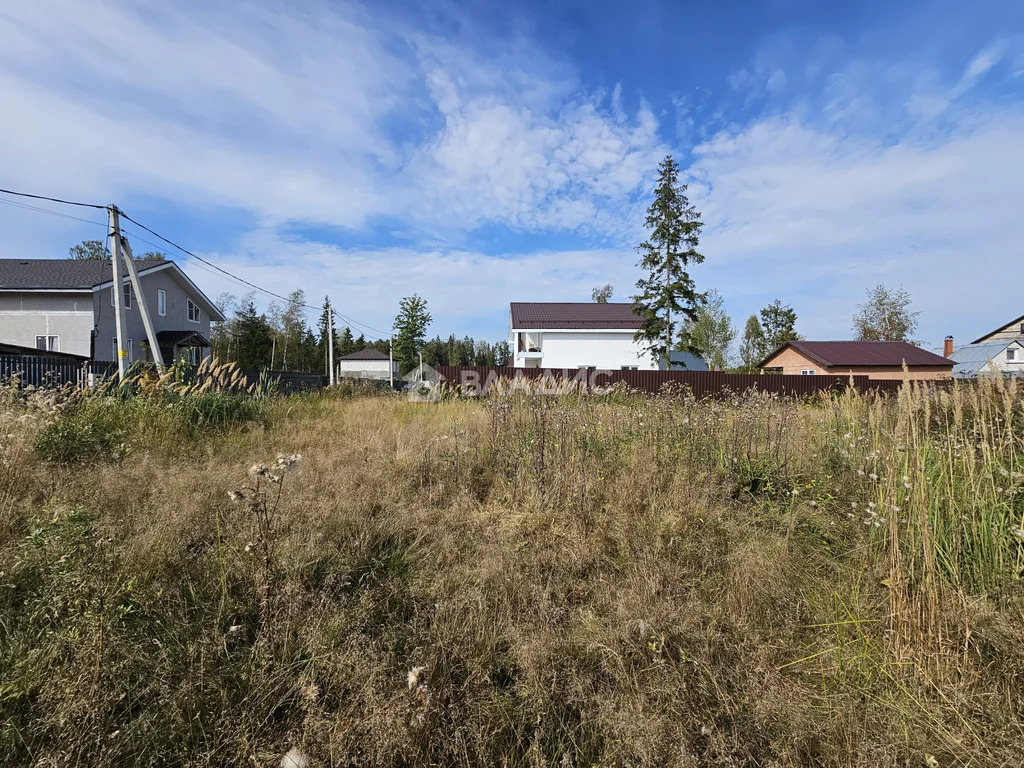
<point x="366" y="364"/>
<point x="597" y="335"/>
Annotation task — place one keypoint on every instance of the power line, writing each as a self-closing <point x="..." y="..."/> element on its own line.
<point x="171" y="243"/>
<point x="53" y="199"/>
<point x="15" y="204"/>
<point x="243" y="280"/>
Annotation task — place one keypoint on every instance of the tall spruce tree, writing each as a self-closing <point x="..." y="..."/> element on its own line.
<point x="410" y="328"/>
<point x="668" y="291"/>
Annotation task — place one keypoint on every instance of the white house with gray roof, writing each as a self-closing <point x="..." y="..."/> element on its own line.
<point x="1005" y="356"/>
<point x="67" y="305"/>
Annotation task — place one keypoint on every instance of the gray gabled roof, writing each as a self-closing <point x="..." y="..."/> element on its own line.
<point x="60" y="274"/>
<point x="85" y="275"/>
<point x="365" y="354"/>
<point x="971" y="358"/>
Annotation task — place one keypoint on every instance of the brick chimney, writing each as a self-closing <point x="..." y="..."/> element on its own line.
<point x="947" y="346"/>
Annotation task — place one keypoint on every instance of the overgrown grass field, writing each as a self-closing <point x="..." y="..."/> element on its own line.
<point x="518" y="581"/>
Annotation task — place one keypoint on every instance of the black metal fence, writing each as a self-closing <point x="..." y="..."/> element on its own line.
<point x="53" y="372"/>
<point x="700" y="383"/>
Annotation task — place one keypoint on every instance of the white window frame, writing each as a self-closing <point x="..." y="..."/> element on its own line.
<point x="808" y="372"/>
<point x="189" y="307"/>
<point x="161" y="302"/>
<point x="1011" y="356"/>
<point x="51" y="342"/>
<point x="127" y="295"/>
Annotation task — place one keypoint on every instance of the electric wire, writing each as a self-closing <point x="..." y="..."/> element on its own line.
<point x="199" y="259"/>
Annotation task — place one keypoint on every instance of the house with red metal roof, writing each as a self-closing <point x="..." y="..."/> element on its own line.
<point x="580" y="334"/>
<point x="875" y="359"/>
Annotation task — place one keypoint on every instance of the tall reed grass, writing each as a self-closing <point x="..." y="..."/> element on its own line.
<point x="518" y="580"/>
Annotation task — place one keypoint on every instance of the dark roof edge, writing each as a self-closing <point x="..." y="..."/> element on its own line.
<point x="980" y="339"/>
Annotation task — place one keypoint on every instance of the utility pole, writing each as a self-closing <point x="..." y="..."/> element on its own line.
<point x="391" y="361"/>
<point x="118" y="289"/>
<point x="330" y="346"/>
<point x="421" y="367"/>
<point x="140" y="297"/>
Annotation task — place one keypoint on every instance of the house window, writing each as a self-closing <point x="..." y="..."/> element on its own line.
<point x="807" y="372"/>
<point x="631" y="367"/>
<point x="192" y="355"/>
<point x="1011" y="354"/>
<point x="49" y="343"/>
<point x="127" y="296"/>
<point x="161" y="303"/>
<point x="193" y="311"/>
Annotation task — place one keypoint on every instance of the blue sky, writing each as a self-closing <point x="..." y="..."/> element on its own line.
<point x="479" y="153"/>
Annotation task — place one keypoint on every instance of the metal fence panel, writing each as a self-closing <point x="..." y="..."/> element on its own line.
<point x="58" y="372"/>
<point x="700" y="383"/>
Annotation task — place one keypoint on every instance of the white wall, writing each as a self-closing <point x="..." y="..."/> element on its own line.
<point x="23" y="316"/>
<point x="603" y="349"/>
<point x="365" y="369"/>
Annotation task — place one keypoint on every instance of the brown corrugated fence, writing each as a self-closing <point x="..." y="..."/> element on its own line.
<point x="700" y="383"/>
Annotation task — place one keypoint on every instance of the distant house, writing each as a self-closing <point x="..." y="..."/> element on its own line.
<point x="1013" y="331"/>
<point x="565" y="335"/>
<point x="875" y="359"/>
<point x="366" y="364"/>
<point x="67" y="306"/>
<point x="1000" y="356"/>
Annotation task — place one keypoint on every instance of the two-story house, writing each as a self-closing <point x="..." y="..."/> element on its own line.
<point x="567" y="334"/>
<point x="67" y="305"/>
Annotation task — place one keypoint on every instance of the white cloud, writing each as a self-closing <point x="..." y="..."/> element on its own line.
<point x="815" y="215"/>
<point x="468" y="292"/>
<point x="326" y="116"/>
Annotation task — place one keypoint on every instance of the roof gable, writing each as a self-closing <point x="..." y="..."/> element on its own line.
<point x="573" y="315"/>
<point x="855" y="354"/>
<point x="1000" y="329"/>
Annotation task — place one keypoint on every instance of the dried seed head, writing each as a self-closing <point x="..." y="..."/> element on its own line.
<point x="414" y="677"/>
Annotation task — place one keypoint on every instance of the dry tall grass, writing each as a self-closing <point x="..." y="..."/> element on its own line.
<point x="520" y="581"/>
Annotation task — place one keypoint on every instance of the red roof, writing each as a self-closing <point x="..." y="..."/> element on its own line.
<point x="569" y="315"/>
<point x="852" y="354"/>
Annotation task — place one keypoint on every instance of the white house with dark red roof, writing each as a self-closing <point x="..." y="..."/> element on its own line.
<point x="582" y="335"/>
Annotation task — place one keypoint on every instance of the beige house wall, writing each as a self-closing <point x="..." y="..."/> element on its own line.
<point x="793" y="362"/>
<point x="1012" y="331"/>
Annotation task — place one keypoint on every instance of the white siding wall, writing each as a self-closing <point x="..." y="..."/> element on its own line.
<point x="1002" y="364"/>
<point x="604" y="349"/>
<point x="364" y="369"/>
<point x="23" y="316"/>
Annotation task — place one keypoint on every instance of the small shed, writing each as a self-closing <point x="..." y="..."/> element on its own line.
<point x="366" y="364"/>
